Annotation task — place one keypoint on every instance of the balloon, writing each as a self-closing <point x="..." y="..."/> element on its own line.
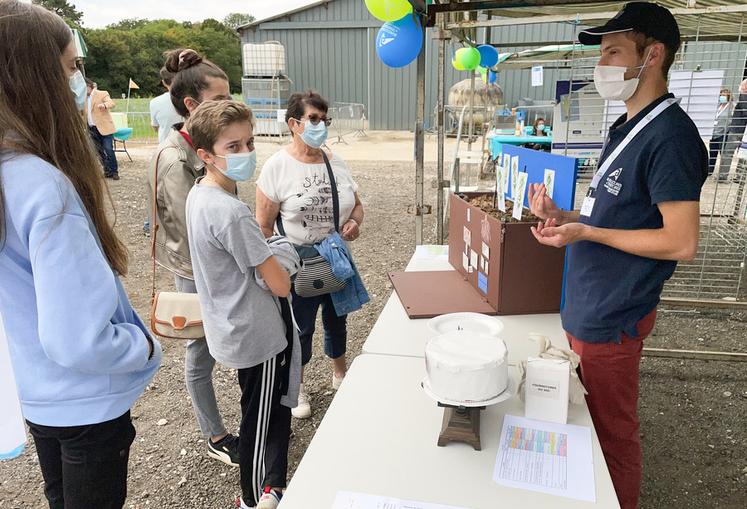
<point x="389" y="10"/>
<point x="468" y="57"/>
<point x="488" y="55"/>
<point x="492" y="77"/>
<point x="482" y="70"/>
<point x="457" y="64"/>
<point x="398" y="43"/>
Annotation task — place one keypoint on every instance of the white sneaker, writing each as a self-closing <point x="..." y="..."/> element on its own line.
<point x="303" y="410"/>
<point x="336" y="382"/>
<point x="269" y="499"/>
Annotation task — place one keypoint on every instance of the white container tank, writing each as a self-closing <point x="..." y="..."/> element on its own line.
<point x="264" y="60"/>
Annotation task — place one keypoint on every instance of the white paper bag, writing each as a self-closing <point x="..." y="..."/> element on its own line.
<point x="546" y="396"/>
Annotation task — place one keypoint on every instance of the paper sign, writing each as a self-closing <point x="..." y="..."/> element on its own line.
<point x="549" y="181"/>
<point x="537" y="76"/>
<point x="500" y="190"/>
<point x="547" y="389"/>
<point x="467" y="236"/>
<point x="465" y="262"/>
<point x="351" y="500"/>
<point x="514" y="174"/>
<point x="482" y="282"/>
<point x="506" y="171"/>
<point x="546" y="457"/>
<point x="521" y="189"/>
<point x="485" y="250"/>
<point x="473" y="259"/>
<point x="281" y="116"/>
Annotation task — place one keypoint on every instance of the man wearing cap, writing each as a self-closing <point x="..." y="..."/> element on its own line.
<point x="640" y="216"/>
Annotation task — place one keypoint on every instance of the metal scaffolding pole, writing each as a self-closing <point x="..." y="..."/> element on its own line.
<point x="441" y="185"/>
<point x="420" y="146"/>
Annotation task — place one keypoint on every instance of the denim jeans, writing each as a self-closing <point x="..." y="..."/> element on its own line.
<point x="305" y="310"/>
<point x="85" y="466"/>
<point x="105" y="148"/>
<point x="198" y="374"/>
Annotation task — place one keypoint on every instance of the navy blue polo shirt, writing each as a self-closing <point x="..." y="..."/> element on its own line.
<point x="607" y="290"/>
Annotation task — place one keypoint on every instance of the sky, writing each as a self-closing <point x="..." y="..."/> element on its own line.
<point x="99" y="13"/>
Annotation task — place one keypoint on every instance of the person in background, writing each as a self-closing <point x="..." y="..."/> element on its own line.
<point x="640" y="217"/>
<point x="721" y="125"/>
<point x="734" y="134"/>
<point x="539" y="127"/>
<point x="294" y="186"/>
<point x="101" y="127"/>
<point x="248" y="323"/>
<point x="81" y="354"/>
<point x="177" y="166"/>
<point x="163" y="115"/>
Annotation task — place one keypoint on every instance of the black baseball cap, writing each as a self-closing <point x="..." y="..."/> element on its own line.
<point x="647" y="18"/>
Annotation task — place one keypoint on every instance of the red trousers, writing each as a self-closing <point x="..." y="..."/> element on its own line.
<point x="610" y="373"/>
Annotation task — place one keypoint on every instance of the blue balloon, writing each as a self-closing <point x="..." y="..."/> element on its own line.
<point x="492" y="77"/>
<point x="488" y="55"/>
<point x="399" y="42"/>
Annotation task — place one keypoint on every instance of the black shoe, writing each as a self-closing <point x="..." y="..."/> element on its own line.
<point x="115" y="176"/>
<point x="226" y="450"/>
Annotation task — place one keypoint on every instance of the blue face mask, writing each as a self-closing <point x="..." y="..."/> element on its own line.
<point x="541" y="128"/>
<point x="314" y="135"/>
<point x="722" y="99"/>
<point x="78" y="86"/>
<point x="240" y="167"/>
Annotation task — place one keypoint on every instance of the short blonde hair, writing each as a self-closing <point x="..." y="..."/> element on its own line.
<point x="211" y="118"/>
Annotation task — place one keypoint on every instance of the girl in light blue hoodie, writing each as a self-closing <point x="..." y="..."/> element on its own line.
<point x="81" y="354"/>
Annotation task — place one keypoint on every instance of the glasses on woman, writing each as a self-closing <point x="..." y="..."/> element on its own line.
<point x="315" y="119"/>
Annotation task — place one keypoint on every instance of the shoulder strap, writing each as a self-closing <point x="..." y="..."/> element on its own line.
<point x="335" y="199"/>
<point x="154" y="225"/>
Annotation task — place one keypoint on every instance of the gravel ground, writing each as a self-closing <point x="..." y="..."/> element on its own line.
<point x="693" y="413"/>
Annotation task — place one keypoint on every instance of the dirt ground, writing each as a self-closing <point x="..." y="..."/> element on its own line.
<point x="693" y="413"/>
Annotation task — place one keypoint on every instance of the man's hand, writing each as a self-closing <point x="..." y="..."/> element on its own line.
<point x="550" y="234"/>
<point x="351" y="230"/>
<point x="102" y="107"/>
<point x="542" y="205"/>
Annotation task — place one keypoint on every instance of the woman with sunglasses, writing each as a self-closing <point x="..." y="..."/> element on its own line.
<point x="295" y="187"/>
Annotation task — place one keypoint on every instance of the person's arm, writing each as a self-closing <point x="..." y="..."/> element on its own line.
<point x="275" y="276"/>
<point x="351" y="228"/>
<point x="173" y="187"/>
<point x="676" y="240"/>
<point x="543" y="207"/>
<point x="267" y="213"/>
<point x="77" y="297"/>
<point x="106" y="102"/>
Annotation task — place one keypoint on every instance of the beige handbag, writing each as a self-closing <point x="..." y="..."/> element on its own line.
<point x="173" y="315"/>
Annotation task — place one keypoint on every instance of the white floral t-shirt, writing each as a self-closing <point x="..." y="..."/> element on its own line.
<point x="304" y="193"/>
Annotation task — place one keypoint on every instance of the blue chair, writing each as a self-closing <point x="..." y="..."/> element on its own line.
<point x="122" y="134"/>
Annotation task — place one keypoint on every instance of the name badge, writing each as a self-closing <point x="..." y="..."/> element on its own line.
<point x="588" y="206"/>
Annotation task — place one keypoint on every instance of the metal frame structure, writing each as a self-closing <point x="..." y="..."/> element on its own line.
<point x="708" y="20"/>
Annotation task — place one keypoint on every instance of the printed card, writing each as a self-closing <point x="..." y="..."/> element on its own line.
<point x="521" y="189"/>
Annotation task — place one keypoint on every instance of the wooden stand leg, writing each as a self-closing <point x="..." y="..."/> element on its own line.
<point x="460" y="425"/>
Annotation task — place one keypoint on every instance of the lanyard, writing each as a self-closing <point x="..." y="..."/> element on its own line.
<point x="632" y="134"/>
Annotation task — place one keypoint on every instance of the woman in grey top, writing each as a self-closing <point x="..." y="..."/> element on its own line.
<point x="721" y="124"/>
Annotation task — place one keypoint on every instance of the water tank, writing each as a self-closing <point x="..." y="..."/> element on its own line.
<point x="266" y="59"/>
<point x="485" y="96"/>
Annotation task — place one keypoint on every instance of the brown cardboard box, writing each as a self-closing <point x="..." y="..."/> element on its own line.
<point x="522" y="275"/>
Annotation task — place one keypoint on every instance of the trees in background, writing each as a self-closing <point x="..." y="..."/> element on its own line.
<point x="133" y="48"/>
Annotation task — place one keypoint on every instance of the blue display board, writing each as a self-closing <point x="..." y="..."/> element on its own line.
<point x="534" y="163"/>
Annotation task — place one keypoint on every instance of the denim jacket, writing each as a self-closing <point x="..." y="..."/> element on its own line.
<point x="354" y="295"/>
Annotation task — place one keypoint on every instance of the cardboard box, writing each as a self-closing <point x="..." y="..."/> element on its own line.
<point x="503" y="261"/>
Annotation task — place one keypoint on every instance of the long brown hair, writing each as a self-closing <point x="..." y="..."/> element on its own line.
<point x="38" y="114"/>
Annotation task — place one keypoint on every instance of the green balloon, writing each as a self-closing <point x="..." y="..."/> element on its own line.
<point x="468" y="57"/>
<point x="389" y="10"/>
<point x="482" y="70"/>
<point x="457" y="65"/>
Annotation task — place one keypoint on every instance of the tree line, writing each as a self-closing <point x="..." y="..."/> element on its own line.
<point x="133" y="48"/>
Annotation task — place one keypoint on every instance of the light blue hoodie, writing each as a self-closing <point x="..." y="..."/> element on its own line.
<point x="78" y="349"/>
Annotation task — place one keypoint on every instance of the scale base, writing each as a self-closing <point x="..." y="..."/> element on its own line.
<point x="460" y="424"/>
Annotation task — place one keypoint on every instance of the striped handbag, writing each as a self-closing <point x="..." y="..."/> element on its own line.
<point x="316" y="276"/>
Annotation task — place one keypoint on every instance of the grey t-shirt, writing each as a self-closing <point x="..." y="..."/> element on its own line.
<point x="243" y="324"/>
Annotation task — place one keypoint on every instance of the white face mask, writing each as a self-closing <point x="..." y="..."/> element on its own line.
<point x="611" y="84"/>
